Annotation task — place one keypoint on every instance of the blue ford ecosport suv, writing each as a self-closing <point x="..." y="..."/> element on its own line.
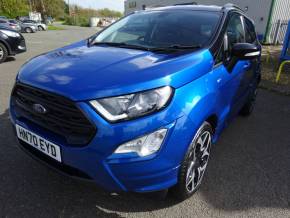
<point x="137" y="106"/>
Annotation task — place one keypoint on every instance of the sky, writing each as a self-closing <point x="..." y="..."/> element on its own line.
<point x="97" y="4"/>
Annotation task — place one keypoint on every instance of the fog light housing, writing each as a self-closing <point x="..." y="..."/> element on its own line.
<point x="21" y="47"/>
<point x="145" y="145"/>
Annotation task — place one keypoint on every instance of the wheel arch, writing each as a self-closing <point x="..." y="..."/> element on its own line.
<point x="6" y="45"/>
<point x="28" y="27"/>
<point x="213" y="121"/>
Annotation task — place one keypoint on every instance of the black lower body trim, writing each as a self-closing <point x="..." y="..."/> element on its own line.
<point x="65" y="169"/>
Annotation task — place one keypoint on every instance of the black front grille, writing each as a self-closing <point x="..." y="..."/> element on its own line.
<point x="62" y="116"/>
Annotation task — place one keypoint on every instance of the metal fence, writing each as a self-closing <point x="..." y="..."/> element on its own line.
<point x="278" y="32"/>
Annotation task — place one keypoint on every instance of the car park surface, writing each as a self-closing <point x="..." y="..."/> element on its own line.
<point x="248" y="174"/>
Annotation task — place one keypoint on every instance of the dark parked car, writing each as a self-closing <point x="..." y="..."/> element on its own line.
<point x="11" y="43"/>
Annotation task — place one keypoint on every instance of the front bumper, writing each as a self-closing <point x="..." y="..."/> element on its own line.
<point x="44" y="27"/>
<point x="17" y="45"/>
<point x="122" y="172"/>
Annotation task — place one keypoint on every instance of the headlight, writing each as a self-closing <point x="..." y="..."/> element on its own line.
<point x="134" y="105"/>
<point x="145" y="145"/>
<point x="10" y="33"/>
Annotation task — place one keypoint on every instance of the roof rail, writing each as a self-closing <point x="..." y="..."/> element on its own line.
<point x="154" y="6"/>
<point x="160" y="5"/>
<point x="230" y="5"/>
<point x="189" y="3"/>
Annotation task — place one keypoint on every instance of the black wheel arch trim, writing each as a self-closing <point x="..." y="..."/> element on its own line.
<point x="7" y="46"/>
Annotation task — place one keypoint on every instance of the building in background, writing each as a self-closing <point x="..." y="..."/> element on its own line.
<point x="270" y="16"/>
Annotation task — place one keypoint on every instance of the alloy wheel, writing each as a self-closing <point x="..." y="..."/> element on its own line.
<point x="28" y="30"/>
<point x="199" y="156"/>
<point x="1" y="53"/>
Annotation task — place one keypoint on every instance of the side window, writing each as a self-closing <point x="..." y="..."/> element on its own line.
<point x="251" y="36"/>
<point x="234" y="33"/>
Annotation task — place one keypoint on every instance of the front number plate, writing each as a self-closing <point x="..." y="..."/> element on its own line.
<point x="41" y="144"/>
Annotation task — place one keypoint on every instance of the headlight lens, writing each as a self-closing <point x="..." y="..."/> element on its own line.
<point x="10" y="33"/>
<point x="145" y="145"/>
<point x="134" y="105"/>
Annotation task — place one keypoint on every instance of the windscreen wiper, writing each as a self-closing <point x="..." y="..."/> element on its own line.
<point x="173" y="48"/>
<point x="115" y="44"/>
<point x="122" y="45"/>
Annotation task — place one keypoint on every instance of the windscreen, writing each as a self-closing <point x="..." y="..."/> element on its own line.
<point x="163" y="28"/>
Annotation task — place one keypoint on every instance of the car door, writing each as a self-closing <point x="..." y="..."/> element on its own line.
<point x="253" y="72"/>
<point x="232" y="82"/>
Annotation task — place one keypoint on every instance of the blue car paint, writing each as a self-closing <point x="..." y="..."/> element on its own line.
<point x="81" y="73"/>
<point x="63" y="72"/>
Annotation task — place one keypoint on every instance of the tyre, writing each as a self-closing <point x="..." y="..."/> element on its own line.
<point x="28" y="30"/>
<point x="3" y="53"/>
<point x="248" y="108"/>
<point x="194" y="164"/>
<point x="40" y="28"/>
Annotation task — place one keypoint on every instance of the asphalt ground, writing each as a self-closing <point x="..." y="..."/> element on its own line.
<point x="248" y="174"/>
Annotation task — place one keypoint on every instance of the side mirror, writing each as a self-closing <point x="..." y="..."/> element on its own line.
<point x="245" y="51"/>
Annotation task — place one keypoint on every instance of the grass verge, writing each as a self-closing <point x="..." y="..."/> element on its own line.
<point x="51" y="27"/>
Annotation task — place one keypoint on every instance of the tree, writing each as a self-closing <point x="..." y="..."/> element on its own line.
<point x="54" y="8"/>
<point x="13" y="8"/>
<point x="109" y="13"/>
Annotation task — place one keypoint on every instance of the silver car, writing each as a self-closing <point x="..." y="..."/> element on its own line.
<point x="15" y="25"/>
<point x="27" y="27"/>
<point x="40" y="26"/>
<point x="7" y="24"/>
